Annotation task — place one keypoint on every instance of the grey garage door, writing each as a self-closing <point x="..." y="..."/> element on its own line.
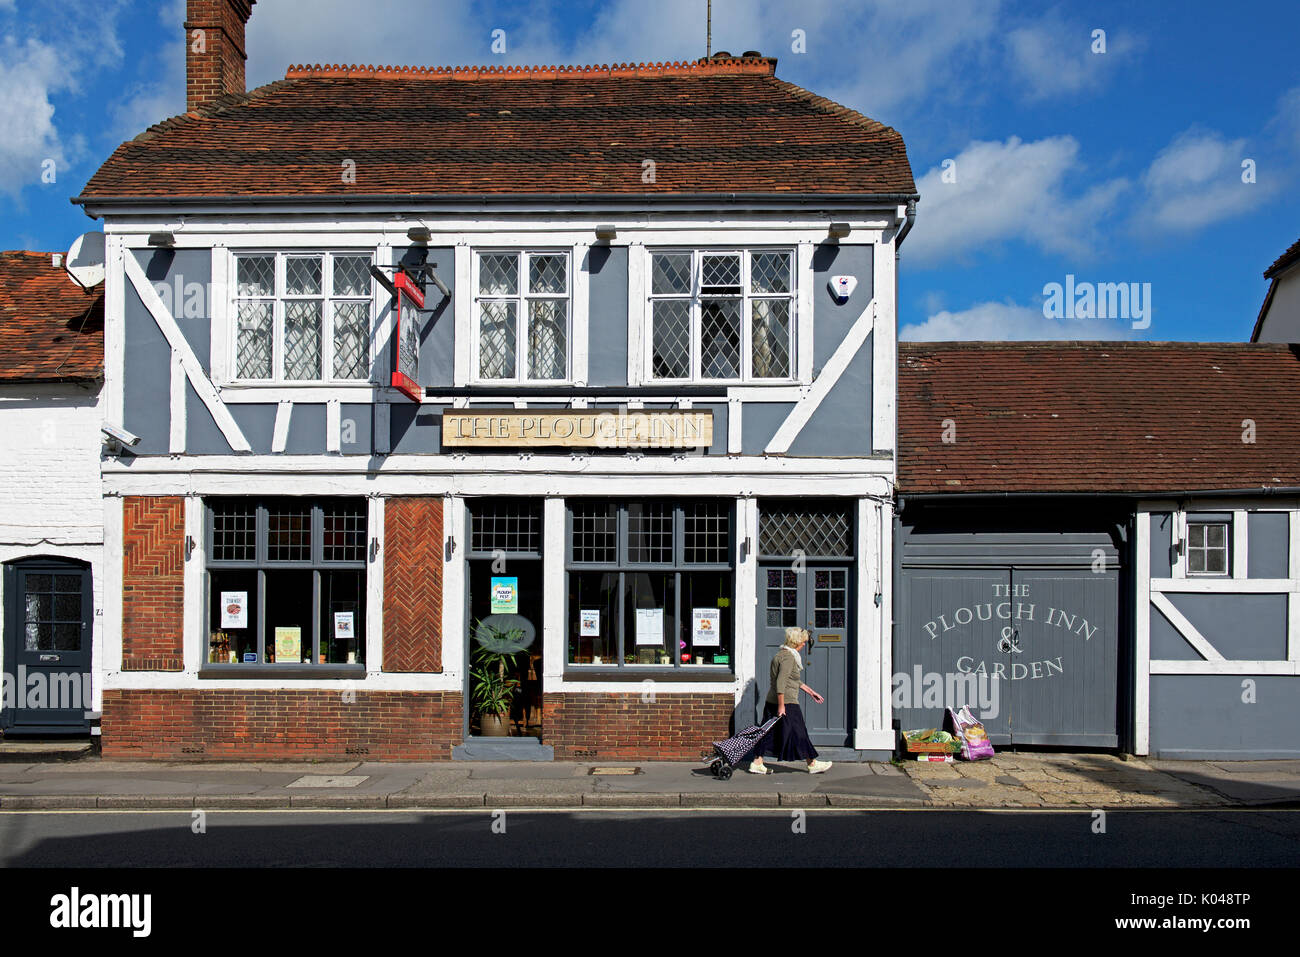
<point x="1023" y="625"/>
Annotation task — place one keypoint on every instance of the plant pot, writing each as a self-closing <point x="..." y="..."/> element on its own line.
<point x="494" y="725"/>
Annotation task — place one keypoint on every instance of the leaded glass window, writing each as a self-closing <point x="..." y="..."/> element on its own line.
<point x="302" y="317"/>
<point x="721" y="315"/>
<point x="522" y="316"/>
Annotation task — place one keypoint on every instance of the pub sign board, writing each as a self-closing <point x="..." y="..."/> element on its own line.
<point x="410" y="300"/>
<point x="594" y="428"/>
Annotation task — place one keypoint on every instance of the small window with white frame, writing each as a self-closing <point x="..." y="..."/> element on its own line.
<point x="726" y="315"/>
<point x="1208" y="547"/>
<point x="302" y="316"/>
<point x="522" y="316"/>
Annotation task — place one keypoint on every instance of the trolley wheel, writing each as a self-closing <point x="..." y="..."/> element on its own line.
<point x="715" y="766"/>
<point x="724" y="773"/>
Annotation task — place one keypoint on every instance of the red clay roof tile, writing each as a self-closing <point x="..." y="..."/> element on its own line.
<point x="1097" y="416"/>
<point x="50" y="329"/>
<point x="720" y="127"/>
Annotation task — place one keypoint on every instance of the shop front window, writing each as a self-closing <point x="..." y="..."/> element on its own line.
<point x="650" y="584"/>
<point x="286" y="582"/>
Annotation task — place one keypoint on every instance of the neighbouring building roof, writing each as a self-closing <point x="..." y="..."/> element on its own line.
<point x="715" y="127"/>
<point x="1130" y="417"/>
<point x="50" y="328"/>
<point x="1291" y="255"/>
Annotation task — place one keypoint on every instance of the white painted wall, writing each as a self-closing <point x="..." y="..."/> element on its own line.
<point x="50" y="499"/>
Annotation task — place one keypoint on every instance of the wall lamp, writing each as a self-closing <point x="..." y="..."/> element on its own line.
<point x="606" y="233"/>
<point x="839" y="230"/>
<point x="419" y="234"/>
<point x="448" y="548"/>
<point x="162" y="239"/>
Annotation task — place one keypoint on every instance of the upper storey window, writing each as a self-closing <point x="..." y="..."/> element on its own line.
<point x="721" y="315"/>
<point x="521" y="314"/>
<point x="302" y="317"/>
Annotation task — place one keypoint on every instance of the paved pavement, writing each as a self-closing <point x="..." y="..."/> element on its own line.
<point x="1009" y="780"/>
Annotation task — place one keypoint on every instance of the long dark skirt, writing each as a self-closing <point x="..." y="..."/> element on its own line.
<point x="788" y="740"/>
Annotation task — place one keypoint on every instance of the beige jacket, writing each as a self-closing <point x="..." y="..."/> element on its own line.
<point x="787" y="667"/>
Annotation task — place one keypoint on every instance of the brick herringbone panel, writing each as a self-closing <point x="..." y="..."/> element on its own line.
<point x="153" y="583"/>
<point x="413" y="584"/>
<point x="237" y="724"/>
<point x="635" y="726"/>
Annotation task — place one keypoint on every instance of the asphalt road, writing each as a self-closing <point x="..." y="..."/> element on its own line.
<point x="747" y="839"/>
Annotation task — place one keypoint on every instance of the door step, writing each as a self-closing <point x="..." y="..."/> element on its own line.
<point x="503" y="749"/>
<point x="15" y="750"/>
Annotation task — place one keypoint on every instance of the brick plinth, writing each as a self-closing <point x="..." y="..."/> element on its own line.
<point x="153" y="583"/>
<point x="229" y="724"/>
<point x="413" y="584"/>
<point x="669" y="727"/>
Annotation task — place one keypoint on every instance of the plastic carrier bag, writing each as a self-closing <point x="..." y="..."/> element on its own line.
<point x="974" y="739"/>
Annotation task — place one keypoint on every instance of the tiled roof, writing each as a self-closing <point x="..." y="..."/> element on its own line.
<point x="1097" y="416"/>
<point x="1291" y="255"/>
<point x="50" y="329"/>
<point x="718" y="126"/>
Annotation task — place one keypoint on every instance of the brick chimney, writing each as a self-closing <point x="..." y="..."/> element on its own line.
<point x="214" y="49"/>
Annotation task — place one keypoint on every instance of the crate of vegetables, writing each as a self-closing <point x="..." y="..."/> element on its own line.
<point x="930" y="741"/>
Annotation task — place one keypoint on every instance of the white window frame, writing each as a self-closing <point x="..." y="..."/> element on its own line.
<point x="521" y="298"/>
<point x="1192" y="519"/>
<point x="279" y="299"/>
<point x="695" y="298"/>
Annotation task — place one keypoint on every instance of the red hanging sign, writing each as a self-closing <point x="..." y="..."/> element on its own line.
<point x="410" y="300"/>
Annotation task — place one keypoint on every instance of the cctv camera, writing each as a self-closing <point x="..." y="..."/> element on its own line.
<point x="119" y="434"/>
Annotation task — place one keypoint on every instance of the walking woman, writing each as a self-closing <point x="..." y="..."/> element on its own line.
<point x="788" y="739"/>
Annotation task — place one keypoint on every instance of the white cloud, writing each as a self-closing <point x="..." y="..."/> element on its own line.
<point x="1002" y="321"/>
<point x="1197" y="180"/>
<point x="29" y="75"/>
<point x="1009" y="191"/>
<point x="1055" y="57"/>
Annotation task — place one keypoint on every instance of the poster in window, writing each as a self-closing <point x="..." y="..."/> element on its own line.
<point x="706" y="627"/>
<point x="344" y="626"/>
<point x="288" y="645"/>
<point x="589" y="623"/>
<point x="505" y="596"/>
<point x="234" y="609"/>
<point x="649" y="626"/>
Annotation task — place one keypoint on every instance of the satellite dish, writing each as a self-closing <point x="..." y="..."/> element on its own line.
<point x="85" y="260"/>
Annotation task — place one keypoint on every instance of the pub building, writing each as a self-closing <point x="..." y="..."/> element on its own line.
<point x="562" y="363"/>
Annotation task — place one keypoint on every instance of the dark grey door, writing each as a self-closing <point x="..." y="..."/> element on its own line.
<point x="949" y="646"/>
<point x="1064" y="675"/>
<point x="819" y="598"/>
<point x="47" y="646"/>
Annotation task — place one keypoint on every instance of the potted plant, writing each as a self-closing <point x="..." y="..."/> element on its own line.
<point x="493" y="685"/>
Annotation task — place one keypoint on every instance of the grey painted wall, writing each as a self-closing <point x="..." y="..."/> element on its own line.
<point x="146" y="387"/>
<point x="438" y="336"/>
<point x="1204" y="717"/>
<point x="306" y="429"/>
<point x="607" y="316"/>
<point x="1240" y="627"/>
<point x="1162" y="524"/>
<point x="186" y="278"/>
<point x="831" y="320"/>
<point x="1166" y="643"/>
<point x="759" y="422"/>
<point x="841" y="426"/>
<point x="1266" y="544"/>
<point x="416" y="428"/>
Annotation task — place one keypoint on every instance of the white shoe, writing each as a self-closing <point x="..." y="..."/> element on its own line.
<point x="758" y="767"/>
<point x="817" y="767"/>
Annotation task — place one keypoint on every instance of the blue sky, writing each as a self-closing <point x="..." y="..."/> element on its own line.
<point x="1115" y="166"/>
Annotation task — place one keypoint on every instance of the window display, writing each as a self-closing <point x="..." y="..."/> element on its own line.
<point x="286" y="582"/>
<point x="661" y="592"/>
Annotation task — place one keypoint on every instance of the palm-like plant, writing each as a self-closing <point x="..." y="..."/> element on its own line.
<point x="494" y="687"/>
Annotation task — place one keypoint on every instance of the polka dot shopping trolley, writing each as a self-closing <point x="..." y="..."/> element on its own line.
<point x="729" y="753"/>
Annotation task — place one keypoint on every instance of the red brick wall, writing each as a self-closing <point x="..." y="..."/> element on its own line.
<point x="413" y="584"/>
<point x="153" y="583"/>
<point x="237" y="724"/>
<point x="623" y="726"/>
<point x="219" y="68"/>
